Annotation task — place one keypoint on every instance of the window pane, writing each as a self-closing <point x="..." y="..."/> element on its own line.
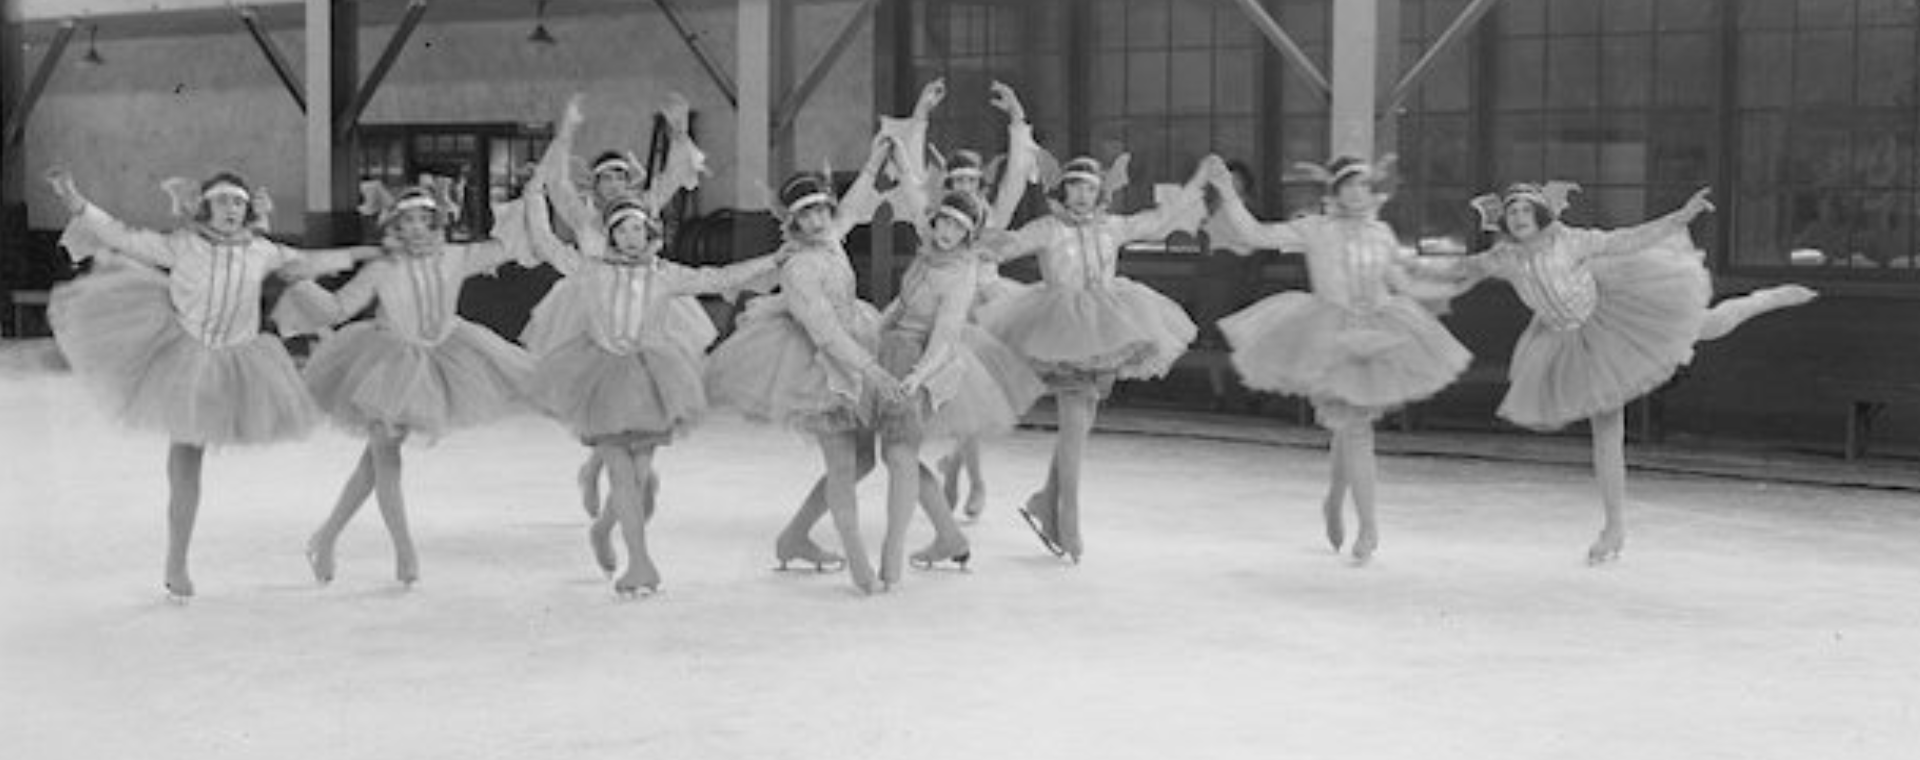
<point x="1192" y="81"/>
<point x="1624" y="150"/>
<point x="1146" y="23"/>
<point x="1572" y="16"/>
<point x="1192" y="22"/>
<point x="1886" y="61"/>
<point x="1825" y="13"/>
<point x="1146" y="82"/>
<point x="1689" y="14"/>
<point x="1518" y="150"/>
<point x="1689" y="69"/>
<point x="1766" y="69"/>
<point x="1889" y="12"/>
<point x="1763" y="148"/>
<point x="1445" y="143"/>
<point x="1625" y="70"/>
<point x="1109" y="84"/>
<point x="1682" y="148"/>
<point x="1522" y="18"/>
<point x="1626" y="15"/>
<point x="1573" y="77"/>
<point x="1235" y="88"/>
<point x="1518" y="76"/>
<point x="1570" y="148"/>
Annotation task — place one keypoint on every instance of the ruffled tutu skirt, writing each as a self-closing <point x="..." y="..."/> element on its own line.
<point x="366" y="375"/>
<point x="562" y="314"/>
<point x="599" y="394"/>
<point x="1124" y="329"/>
<point x="1646" y="318"/>
<point x="1300" y="344"/>
<point x="981" y="389"/>
<point x="771" y="372"/>
<point x="119" y="330"/>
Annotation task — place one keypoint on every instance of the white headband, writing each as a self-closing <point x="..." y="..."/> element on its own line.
<point x="962" y="217"/>
<point x="965" y="171"/>
<point x="416" y="201"/>
<point x="808" y="200"/>
<point x="1080" y="174"/>
<point x="614" y="163"/>
<point x="625" y="213"/>
<point x="226" y="188"/>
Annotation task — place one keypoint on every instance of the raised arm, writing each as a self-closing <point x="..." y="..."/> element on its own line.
<point x="557" y="165"/>
<point x="1022" y="155"/>
<point x="1646" y="235"/>
<point x="92" y="231"/>
<point x="685" y="160"/>
<point x="856" y="207"/>
<point x="546" y="245"/>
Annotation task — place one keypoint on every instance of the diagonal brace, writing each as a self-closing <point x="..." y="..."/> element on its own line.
<point x="692" y="38"/>
<point x="344" y="122"/>
<point x="1287" y="47"/>
<point x="790" y="105"/>
<point x="16" y="126"/>
<point x="1469" y="18"/>
<point x="275" y="58"/>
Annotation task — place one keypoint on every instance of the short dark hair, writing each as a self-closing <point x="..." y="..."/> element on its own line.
<point x="202" y="212"/>
<point x="1542" y="216"/>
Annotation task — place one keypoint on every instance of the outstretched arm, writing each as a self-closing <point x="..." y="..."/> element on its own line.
<point x="860" y="201"/>
<point x="1279" y="235"/>
<point x="687" y="280"/>
<point x="307" y="263"/>
<point x="1183" y="211"/>
<point x="92" y="231"/>
<point x="1645" y="235"/>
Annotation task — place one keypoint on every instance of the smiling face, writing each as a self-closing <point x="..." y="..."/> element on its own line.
<point x="633" y="237"/>
<point x="414" y="226"/>
<point x="226" y="212"/>
<point x="948" y="232"/>
<point x="1081" y="195"/>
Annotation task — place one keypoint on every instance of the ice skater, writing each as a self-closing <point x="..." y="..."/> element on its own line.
<point x="615" y="373"/>
<point x="807" y="359"/>
<point x="616" y="175"/>
<point x="415" y="369"/>
<point x="168" y="331"/>
<point x="1615" y="313"/>
<point x="1358" y="345"/>
<point x="1084" y="326"/>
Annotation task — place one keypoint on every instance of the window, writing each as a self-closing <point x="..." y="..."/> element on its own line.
<point x="492" y="161"/>
<point x="973" y="43"/>
<point x="1617" y="95"/>
<point x="1172" y="80"/>
<point x="1825" y="164"/>
<point x="1437" y="158"/>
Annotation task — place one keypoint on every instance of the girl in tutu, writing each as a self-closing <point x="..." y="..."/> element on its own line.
<point x="1357" y="346"/>
<point x="617" y="175"/>
<point x="172" y="340"/>
<point x="416" y="368"/>
<point x="1615" y="313"/>
<point x="966" y="172"/>
<point x="1084" y="325"/>
<point x="959" y="381"/>
<point x="806" y="358"/>
<point x="618" y="377"/>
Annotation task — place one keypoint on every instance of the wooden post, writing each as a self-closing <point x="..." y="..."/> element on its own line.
<point x="332" y="58"/>
<point x="753" y="178"/>
<point x="1356" y="31"/>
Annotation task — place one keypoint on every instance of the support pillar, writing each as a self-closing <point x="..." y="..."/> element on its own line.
<point x="332" y="77"/>
<point x="753" y="179"/>
<point x="1356" y="44"/>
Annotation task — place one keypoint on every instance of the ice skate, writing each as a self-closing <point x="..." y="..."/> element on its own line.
<point x="1607" y="548"/>
<point x="956" y="552"/>
<point x="805" y="551"/>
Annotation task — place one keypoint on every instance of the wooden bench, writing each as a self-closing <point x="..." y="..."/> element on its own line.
<point x="1866" y="399"/>
<point x="22" y="303"/>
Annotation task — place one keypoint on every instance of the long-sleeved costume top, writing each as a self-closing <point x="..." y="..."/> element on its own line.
<point x="1550" y="272"/>
<point x="1081" y="252"/>
<point x="214" y="283"/>
<point x="418" y="292"/>
<point x="627" y="299"/>
<point x="1353" y="261"/>
<point x="917" y="192"/>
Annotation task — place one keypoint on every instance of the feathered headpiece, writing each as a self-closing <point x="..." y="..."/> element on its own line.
<point x="1111" y="179"/>
<point x="186" y="195"/>
<point x="1552" y="196"/>
<point x="1379" y="175"/>
<point x="441" y="195"/>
